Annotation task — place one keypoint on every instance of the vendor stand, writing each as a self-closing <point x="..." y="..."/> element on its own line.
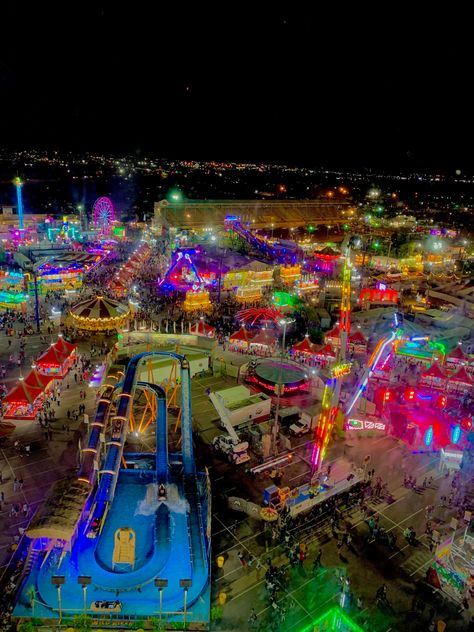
<point x="22" y="402"/>
<point x="434" y="377"/>
<point x="240" y="340"/>
<point x="460" y="382"/>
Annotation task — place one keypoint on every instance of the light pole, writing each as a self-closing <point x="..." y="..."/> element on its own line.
<point x="58" y="581"/>
<point x="37" y="316"/>
<point x="160" y="584"/>
<point x="283" y="322"/>
<point x="84" y="581"/>
<point x="185" y="583"/>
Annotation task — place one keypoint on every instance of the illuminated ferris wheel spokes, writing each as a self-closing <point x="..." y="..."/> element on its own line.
<point x="103" y="215"/>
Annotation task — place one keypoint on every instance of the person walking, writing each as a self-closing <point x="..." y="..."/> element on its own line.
<point x="242" y="559"/>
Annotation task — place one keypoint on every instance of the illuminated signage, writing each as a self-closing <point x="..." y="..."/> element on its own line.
<point x="365" y="424"/>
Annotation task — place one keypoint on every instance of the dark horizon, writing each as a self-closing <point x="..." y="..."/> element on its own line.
<point x="286" y="87"/>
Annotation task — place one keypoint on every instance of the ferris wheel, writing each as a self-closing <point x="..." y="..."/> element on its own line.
<point x="103" y="214"/>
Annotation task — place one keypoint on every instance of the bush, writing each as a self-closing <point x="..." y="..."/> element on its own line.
<point x="82" y="623"/>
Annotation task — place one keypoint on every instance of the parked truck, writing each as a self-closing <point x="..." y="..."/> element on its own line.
<point x="235" y="452"/>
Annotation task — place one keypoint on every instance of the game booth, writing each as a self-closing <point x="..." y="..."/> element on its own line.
<point x="197" y="301"/>
<point x="202" y="329"/>
<point x="290" y="274"/>
<point x="332" y="337"/>
<point x="248" y="294"/>
<point x="240" y="340"/>
<point x="57" y="360"/>
<point x="263" y="343"/>
<point x="456" y="358"/>
<point x="460" y="382"/>
<point x="357" y="343"/>
<point x="304" y="350"/>
<point x="23" y="402"/>
<point x="325" y="355"/>
<point x="434" y="377"/>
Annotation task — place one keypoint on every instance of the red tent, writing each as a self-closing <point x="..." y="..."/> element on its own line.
<point x="51" y="357"/>
<point x="22" y="394"/>
<point x="265" y="337"/>
<point x="334" y="333"/>
<point x="358" y="338"/>
<point x="203" y="329"/>
<point x="305" y="346"/>
<point x="326" y="351"/>
<point x="461" y="376"/>
<point x="37" y="379"/>
<point x="64" y="347"/>
<point x="434" y="372"/>
<point x="457" y="355"/>
<point x="242" y="335"/>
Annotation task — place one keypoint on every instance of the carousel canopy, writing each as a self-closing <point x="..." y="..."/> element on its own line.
<point x="99" y="313"/>
<point x="457" y="354"/>
<point x="242" y="334"/>
<point x="22" y="394"/>
<point x="37" y="379"/>
<point x="305" y="346"/>
<point x="461" y="376"/>
<point x="434" y="371"/>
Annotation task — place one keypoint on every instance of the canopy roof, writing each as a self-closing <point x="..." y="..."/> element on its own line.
<point x="203" y="329"/>
<point x="357" y="336"/>
<point x="241" y="334"/>
<point x="305" y="346"/>
<point x="334" y="333"/>
<point x="37" y="379"/>
<point x="457" y="353"/>
<point x="58" y="517"/>
<point x="326" y="350"/>
<point x="265" y="337"/>
<point x="434" y="371"/>
<point x="51" y="357"/>
<point x="461" y="376"/>
<point x="64" y="347"/>
<point x="23" y="394"/>
<point x="99" y="308"/>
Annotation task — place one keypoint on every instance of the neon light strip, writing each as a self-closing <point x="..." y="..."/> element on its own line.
<point x="375" y="357"/>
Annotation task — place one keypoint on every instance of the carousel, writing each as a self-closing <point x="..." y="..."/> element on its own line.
<point x="99" y="314"/>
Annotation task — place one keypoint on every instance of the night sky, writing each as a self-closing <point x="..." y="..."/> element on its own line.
<point x="389" y="89"/>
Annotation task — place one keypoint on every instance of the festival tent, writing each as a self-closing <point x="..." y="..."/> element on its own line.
<point x="202" y="329"/>
<point x="38" y="380"/>
<point x="240" y="340"/>
<point x="332" y="337"/>
<point x="326" y="353"/>
<point x="64" y="347"/>
<point x="433" y="377"/>
<point x="22" y="401"/>
<point x="264" y="340"/>
<point x="460" y="381"/>
<point x="304" y="347"/>
<point x="53" y="362"/>
<point x="357" y="342"/>
<point x="456" y="358"/>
